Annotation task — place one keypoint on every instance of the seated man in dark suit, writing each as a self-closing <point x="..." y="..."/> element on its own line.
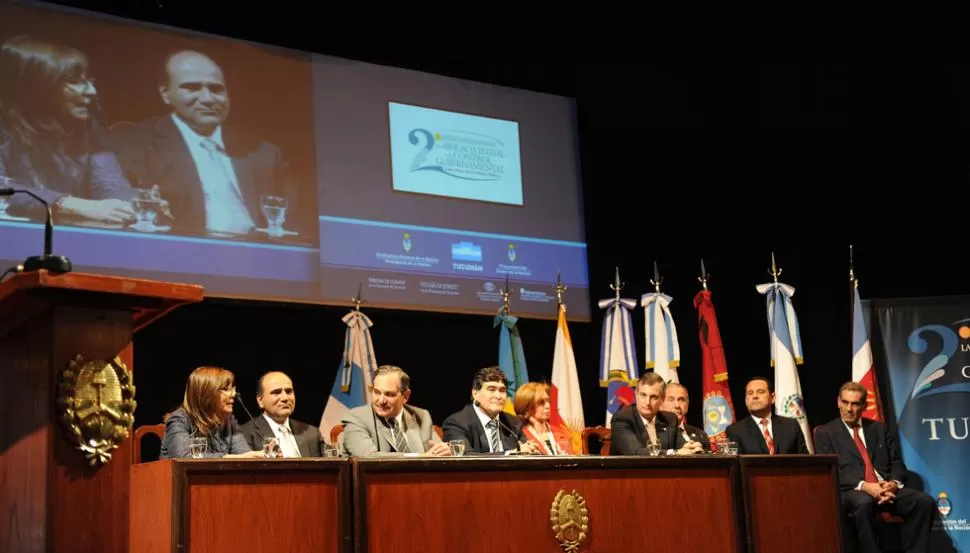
<point x="275" y="396"/>
<point x="676" y="400"/>
<point x="635" y="426"/>
<point x="763" y="433"/>
<point x="211" y="176"/>
<point x="484" y="425"/>
<point x="871" y="473"/>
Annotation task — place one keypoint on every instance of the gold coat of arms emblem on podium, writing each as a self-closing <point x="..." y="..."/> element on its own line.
<point x="96" y="399"/>
<point x="569" y="519"/>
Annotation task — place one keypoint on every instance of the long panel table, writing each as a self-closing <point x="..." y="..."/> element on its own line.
<point x="590" y="504"/>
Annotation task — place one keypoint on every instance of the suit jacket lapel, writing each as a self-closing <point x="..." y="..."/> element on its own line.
<point x="242" y="166"/>
<point x="302" y="440"/>
<point x="413" y="432"/>
<point x="264" y="428"/>
<point x="871" y="438"/>
<point x="848" y="441"/>
<point x="182" y="187"/>
<point x="755" y="431"/>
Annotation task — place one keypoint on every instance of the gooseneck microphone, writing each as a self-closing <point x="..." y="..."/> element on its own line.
<point x="251" y="418"/>
<point x="48" y="261"/>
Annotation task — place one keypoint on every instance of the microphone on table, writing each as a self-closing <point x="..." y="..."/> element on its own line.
<point x="251" y="417"/>
<point x="48" y="261"/>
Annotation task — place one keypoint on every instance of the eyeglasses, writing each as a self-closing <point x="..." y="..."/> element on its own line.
<point x="231" y="389"/>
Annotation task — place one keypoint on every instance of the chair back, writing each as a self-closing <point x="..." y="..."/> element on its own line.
<point x="602" y="433"/>
<point x="139" y="433"/>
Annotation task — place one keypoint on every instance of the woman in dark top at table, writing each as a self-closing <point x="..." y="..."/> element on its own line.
<point x="51" y="137"/>
<point x="206" y="412"/>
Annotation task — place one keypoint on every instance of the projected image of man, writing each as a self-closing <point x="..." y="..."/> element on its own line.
<point x="217" y="180"/>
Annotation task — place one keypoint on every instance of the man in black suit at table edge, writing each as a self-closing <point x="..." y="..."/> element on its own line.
<point x="764" y="433"/>
<point x="872" y="473"/>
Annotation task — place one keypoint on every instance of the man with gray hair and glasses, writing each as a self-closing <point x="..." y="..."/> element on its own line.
<point x="387" y="425"/>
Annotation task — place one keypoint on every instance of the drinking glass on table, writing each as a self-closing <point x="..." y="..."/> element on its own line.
<point x="274" y="209"/>
<point x="198" y="447"/>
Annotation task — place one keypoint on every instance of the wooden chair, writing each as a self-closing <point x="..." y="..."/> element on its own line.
<point x="602" y="433"/>
<point x="335" y="433"/>
<point x="139" y="433"/>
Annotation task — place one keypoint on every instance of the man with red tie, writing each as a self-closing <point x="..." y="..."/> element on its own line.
<point x="764" y="433"/>
<point x="871" y="473"/>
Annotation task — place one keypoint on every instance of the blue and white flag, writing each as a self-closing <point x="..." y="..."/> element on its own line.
<point x="511" y="356"/>
<point x="618" y="355"/>
<point x="786" y="354"/>
<point x="353" y="381"/>
<point x="662" y="348"/>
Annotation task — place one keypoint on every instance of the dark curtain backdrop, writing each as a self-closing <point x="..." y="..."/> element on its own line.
<point x="721" y="131"/>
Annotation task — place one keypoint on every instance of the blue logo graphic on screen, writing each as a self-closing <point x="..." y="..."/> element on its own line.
<point x="406" y="242"/>
<point x="513" y="254"/>
<point x="466" y="251"/>
<point x="455" y="155"/>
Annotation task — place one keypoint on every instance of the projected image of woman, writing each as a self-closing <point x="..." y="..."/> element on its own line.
<point x="50" y="137"/>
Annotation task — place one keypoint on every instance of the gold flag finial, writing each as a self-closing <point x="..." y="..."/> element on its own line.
<point x="656" y="280"/>
<point x="704" y="276"/>
<point x="359" y="298"/>
<point x="505" y="296"/>
<point x="775" y="270"/>
<point x="560" y="287"/>
<point x="617" y="286"/>
<point x="852" y="268"/>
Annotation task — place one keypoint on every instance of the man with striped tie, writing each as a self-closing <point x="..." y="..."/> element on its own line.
<point x="484" y="425"/>
<point x="387" y="426"/>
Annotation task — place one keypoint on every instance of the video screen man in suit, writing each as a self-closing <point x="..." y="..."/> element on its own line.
<point x="275" y="396"/>
<point x="484" y="425"/>
<point x="871" y="473"/>
<point x="762" y="432"/>
<point x="635" y="426"/>
<point x="387" y="425"/>
<point x="677" y="401"/>
<point x="212" y="176"/>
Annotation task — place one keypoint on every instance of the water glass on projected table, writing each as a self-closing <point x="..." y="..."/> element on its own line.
<point x="274" y="209"/>
<point x="147" y="204"/>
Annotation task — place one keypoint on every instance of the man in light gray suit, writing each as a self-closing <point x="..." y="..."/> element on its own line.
<point x="387" y="426"/>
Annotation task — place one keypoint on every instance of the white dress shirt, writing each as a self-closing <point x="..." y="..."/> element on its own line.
<point x="225" y="210"/>
<point x="284" y="437"/>
<point x="862" y="436"/>
<point x="484" y="419"/>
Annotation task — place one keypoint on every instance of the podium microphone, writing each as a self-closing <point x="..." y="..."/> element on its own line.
<point x="48" y="261"/>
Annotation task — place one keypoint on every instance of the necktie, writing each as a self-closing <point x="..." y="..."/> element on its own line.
<point x="288" y="443"/>
<point x="228" y="209"/>
<point x="652" y="432"/>
<point x="493" y="441"/>
<point x="870" y="472"/>
<point x="400" y="442"/>
<point x="768" y="438"/>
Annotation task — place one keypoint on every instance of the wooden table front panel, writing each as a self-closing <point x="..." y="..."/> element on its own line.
<point x="504" y="505"/>
<point x="792" y="503"/>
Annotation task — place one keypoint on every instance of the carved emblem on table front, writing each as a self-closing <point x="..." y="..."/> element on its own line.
<point x="569" y="519"/>
<point x="96" y="403"/>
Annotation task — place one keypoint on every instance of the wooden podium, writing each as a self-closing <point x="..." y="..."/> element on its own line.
<point x="53" y="500"/>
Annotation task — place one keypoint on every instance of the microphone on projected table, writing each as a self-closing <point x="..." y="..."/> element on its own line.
<point x="48" y="261"/>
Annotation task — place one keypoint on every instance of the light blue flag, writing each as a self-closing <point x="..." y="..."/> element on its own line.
<point x="353" y="379"/>
<point x="511" y="356"/>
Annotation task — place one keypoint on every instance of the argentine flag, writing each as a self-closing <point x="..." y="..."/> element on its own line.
<point x="786" y="354"/>
<point x="353" y="379"/>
